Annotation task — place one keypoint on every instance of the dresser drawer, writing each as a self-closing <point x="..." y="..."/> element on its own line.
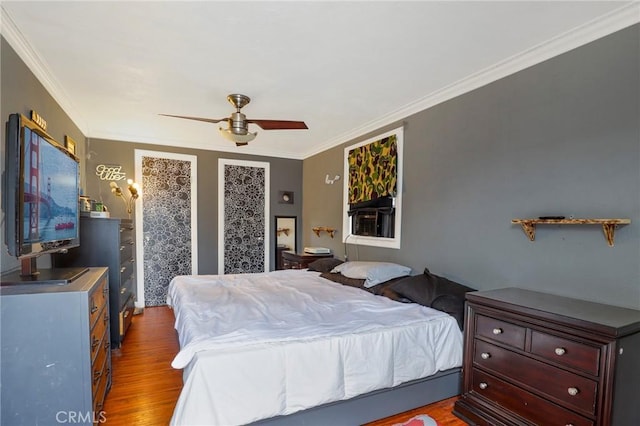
<point x="126" y="291"/>
<point x="98" y="366"/>
<point x="566" y="352"/>
<point x="568" y="389"/>
<point x="525" y="404"/>
<point x="126" y="315"/>
<point x="98" y="333"/>
<point x="500" y="331"/>
<point x="97" y="300"/>
<point x="126" y="250"/>
<point x="126" y="269"/>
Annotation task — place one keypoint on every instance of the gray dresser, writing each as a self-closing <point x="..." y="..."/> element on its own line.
<point x="111" y="243"/>
<point x="56" y="360"/>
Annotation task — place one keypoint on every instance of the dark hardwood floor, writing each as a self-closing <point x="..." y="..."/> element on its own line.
<point x="145" y="388"/>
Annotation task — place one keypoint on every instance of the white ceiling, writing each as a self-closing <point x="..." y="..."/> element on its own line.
<point x="345" y="68"/>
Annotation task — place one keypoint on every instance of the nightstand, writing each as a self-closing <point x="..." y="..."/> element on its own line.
<point x="536" y="358"/>
<point x="292" y="260"/>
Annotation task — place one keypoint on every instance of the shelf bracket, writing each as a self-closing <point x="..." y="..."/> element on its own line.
<point x="609" y="230"/>
<point x="529" y="230"/>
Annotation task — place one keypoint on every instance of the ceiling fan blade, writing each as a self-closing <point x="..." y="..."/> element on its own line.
<point x="278" y="124"/>
<point x="208" y="120"/>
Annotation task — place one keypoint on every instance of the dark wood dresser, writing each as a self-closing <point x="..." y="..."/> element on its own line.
<point x="293" y="260"/>
<point x="533" y="358"/>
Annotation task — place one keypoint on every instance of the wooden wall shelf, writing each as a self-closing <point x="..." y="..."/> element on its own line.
<point x="608" y="225"/>
<point x="319" y="229"/>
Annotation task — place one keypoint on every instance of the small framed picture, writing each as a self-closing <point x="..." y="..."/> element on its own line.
<point x="70" y="144"/>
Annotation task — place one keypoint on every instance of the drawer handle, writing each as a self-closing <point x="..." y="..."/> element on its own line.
<point x="106" y="318"/>
<point x="94" y="343"/>
<point x="132" y="260"/>
<point x="94" y="308"/>
<point x="124" y="268"/>
<point x="497" y="331"/>
<point x="483" y="385"/>
<point x="560" y="351"/>
<point x="121" y="248"/>
<point x="573" y="391"/>
<point x="123" y="290"/>
<point x="485" y="355"/>
<point x="96" y="376"/>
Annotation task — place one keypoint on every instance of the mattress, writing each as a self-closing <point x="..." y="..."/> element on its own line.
<point x="254" y="346"/>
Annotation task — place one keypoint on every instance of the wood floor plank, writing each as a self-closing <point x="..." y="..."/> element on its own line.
<point x="145" y="388"/>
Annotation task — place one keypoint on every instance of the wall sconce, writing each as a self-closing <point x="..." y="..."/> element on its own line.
<point x="329" y="181"/>
<point x="133" y="194"/>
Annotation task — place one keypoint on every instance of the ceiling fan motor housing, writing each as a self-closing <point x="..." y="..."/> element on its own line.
<point x="238" y="124"/>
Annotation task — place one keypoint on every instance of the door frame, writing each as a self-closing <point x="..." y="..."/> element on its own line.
<point x="138" y="154"/>
<point x="222" y="162"/>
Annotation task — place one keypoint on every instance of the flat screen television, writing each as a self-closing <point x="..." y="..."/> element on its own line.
<point x="40" y="198"/>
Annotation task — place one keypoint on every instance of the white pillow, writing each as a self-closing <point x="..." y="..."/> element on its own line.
<point x="373" y="273"/>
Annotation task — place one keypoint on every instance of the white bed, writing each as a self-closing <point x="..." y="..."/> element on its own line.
<point x="256" y="346"/>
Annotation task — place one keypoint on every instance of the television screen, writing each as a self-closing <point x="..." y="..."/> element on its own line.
<point x="40" y="191"/>
<point x="50" y="180"/>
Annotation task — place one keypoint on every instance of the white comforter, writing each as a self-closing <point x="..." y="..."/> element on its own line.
<point x="259" y="345"/>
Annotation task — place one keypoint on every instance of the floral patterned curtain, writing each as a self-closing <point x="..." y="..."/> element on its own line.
<point x="373" y="170"/>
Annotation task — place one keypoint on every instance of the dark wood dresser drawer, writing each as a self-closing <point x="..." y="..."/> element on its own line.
<point x="566" y="388"/>
<point x="566" y="352"/>
<point x="525" y="404"/>
<point x="501" y="331"/>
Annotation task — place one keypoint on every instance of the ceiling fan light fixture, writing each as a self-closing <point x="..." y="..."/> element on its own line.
<point x="236" y="137"/>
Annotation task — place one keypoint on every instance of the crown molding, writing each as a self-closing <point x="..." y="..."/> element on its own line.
<point x="39" y="68"/>
<point x="602" y="26"/>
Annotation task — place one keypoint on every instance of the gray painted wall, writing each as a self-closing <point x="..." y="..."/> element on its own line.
<point x="559" y="138"/>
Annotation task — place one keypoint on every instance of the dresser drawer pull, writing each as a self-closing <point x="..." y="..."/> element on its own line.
<point x="121" y="248"/>
<point x="497" y="331"/>
<point x="123" y="290"/>
<point x="560" y="351"/>
<point x="94" y="343"/>
<point x="573" y="391"/>
<point x="96" y="376"/>
<point x="105" y="290"/>
<point x="483" y="385"/>
<point x="106" y="318"/>
<point x="94" y="308"/>
<point x="485" y="355"/>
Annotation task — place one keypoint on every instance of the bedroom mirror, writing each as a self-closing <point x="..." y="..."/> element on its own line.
<point x="285" y="236"/>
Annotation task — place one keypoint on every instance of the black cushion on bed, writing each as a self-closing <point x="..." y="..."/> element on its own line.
<point x="434" y="291"/>
<point x="324" y="265"/>
<point x="337" y="277"/>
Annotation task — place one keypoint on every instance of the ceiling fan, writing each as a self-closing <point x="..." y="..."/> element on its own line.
<point x="238" y="123"/>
